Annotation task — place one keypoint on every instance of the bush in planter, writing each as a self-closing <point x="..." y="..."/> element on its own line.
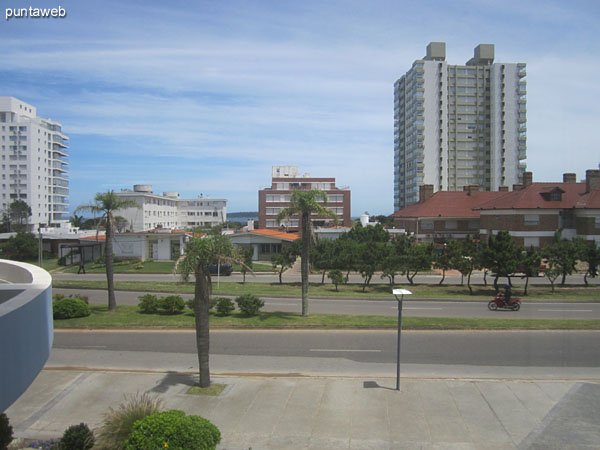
<point x="70" y="307"/>
<point x="77" y="437"/>
<point x="173" y="430"/>
<point x="148" y="304"/>
<point x="224" y="306"/>
<point x="249" y="304"/>
<point x="118" y="423"/>
<point x="172" y="304"/>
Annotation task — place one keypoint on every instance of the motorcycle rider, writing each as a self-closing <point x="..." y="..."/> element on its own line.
<point x="506" y="296"/>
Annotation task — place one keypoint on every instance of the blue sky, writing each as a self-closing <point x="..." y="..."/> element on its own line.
<point x="204" y="97"/>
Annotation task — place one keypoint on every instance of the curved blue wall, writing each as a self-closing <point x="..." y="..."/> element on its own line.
<point x="26" y="329"/>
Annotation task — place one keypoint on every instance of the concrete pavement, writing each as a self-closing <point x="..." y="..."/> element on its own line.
<point x="457" y="409"/>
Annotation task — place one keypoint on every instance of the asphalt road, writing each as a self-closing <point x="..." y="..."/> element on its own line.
<point x="512" y="349"/>
<point x="411" y="308"/>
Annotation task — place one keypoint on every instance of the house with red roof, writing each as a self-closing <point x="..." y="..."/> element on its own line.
<point x="531" y="212"/>
<point x="535" y="212"/>
<point x="444" y="215"/>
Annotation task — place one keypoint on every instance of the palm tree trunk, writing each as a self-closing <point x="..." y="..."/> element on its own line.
<point x="305" y="252"/>
<point x="201" y="308"/>
<point x="108" y="253"/>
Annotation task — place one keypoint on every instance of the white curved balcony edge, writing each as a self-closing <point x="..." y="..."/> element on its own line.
<point x="26" y="329"/>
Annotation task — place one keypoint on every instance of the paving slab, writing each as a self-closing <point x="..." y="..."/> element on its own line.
<point x="333" y="413"/>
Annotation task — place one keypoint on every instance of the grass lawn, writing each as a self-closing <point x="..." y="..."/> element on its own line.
<point x="130" y="317"/>
<point x="48" y="264"/>
<point x="151" y="267"/>
<point x="450" y="292"/>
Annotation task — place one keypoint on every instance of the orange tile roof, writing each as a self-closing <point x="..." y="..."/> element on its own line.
<point x="277" y="234"/>
<point x="100" y="237"/>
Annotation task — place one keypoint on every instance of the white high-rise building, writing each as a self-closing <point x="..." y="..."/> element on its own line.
<point x="458" y="125"/>
<point x="169" y="210"/>
<point x="34" y="166"/>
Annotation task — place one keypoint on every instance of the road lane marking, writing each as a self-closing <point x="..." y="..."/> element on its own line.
<point x="342" y="350"/>
<point x="411" y="307"/>
<point x="566" y="310"/>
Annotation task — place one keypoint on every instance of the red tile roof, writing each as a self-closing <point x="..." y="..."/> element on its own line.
<point x="449" y="204"/>
<point x="536" y="196"/>
<point x="277" y="234"/>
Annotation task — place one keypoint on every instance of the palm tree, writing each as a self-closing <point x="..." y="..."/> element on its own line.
<point x="77" y="221"/>
<point x="106" y="203"/>
<point x="199" y="253"/>
<point x="305" y="203"/>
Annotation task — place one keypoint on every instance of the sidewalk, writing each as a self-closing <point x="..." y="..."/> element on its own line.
<point x="333" y="412"/>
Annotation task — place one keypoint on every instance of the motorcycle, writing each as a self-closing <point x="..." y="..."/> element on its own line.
<point x="496" y="304"/>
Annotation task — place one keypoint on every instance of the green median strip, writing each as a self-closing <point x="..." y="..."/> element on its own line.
<point x="129" y="317"/>
<point x="450" y="292"/>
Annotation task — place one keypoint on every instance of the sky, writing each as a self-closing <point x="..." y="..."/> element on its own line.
<point x="205" y="97"/>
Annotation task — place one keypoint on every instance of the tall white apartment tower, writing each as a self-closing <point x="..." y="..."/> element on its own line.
<point x="458" y="125"/>
<point x="33" y="166"/>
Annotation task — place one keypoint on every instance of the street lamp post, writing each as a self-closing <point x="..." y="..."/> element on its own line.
<point x="401" y="293"/>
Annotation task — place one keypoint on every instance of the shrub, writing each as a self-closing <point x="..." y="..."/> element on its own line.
<point x="211" y="304"/>
<point x="6" y="431"/>
<point x="172" y="304"/>
<point x="148" y="304"/>
<point x="118" y="423"/>
<point x="173" y="430"/>
<point x="138" y="266"/>
<point x="71" y="307"/>
<point x="77" y="437"/>
<point x="224" y="306"/>
<point x="56" y="297"/>
<point x="249" y="304"/>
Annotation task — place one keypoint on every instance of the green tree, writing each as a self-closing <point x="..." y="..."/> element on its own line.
<point x="246" y="254"/>
<point x="18" y="215"/>
<point x="369" y="249"/>
<point x="501" y="256"/>
<point x="106" y="203"/>
<point x="322" y="257"/>
<point x="77" y="221"/>
<point x="21" y="247"/>
<point x="442" y="261"/>
<point x="562" y="255"/>
<point x="345" y="255"/>
<point x="418" y="258"/>
<point x="337" y="277"/>
<point x="305" y="204"/>
<point x="530" y="265"/>
<point x="199" y="254"/>
<point x="590" y="254"/>
<point x="284" y="260"/>
<point x="121" y="223"/>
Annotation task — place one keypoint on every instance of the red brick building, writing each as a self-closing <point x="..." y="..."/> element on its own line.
<point x="536" y="211"/>
<point x="531" y="213"/>
<point x="445" y="215"/>
<point x="285" y="179"/>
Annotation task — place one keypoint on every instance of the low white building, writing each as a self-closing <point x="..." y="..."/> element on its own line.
<point x="161" y="244"/>
<point x="169" y="210"/>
